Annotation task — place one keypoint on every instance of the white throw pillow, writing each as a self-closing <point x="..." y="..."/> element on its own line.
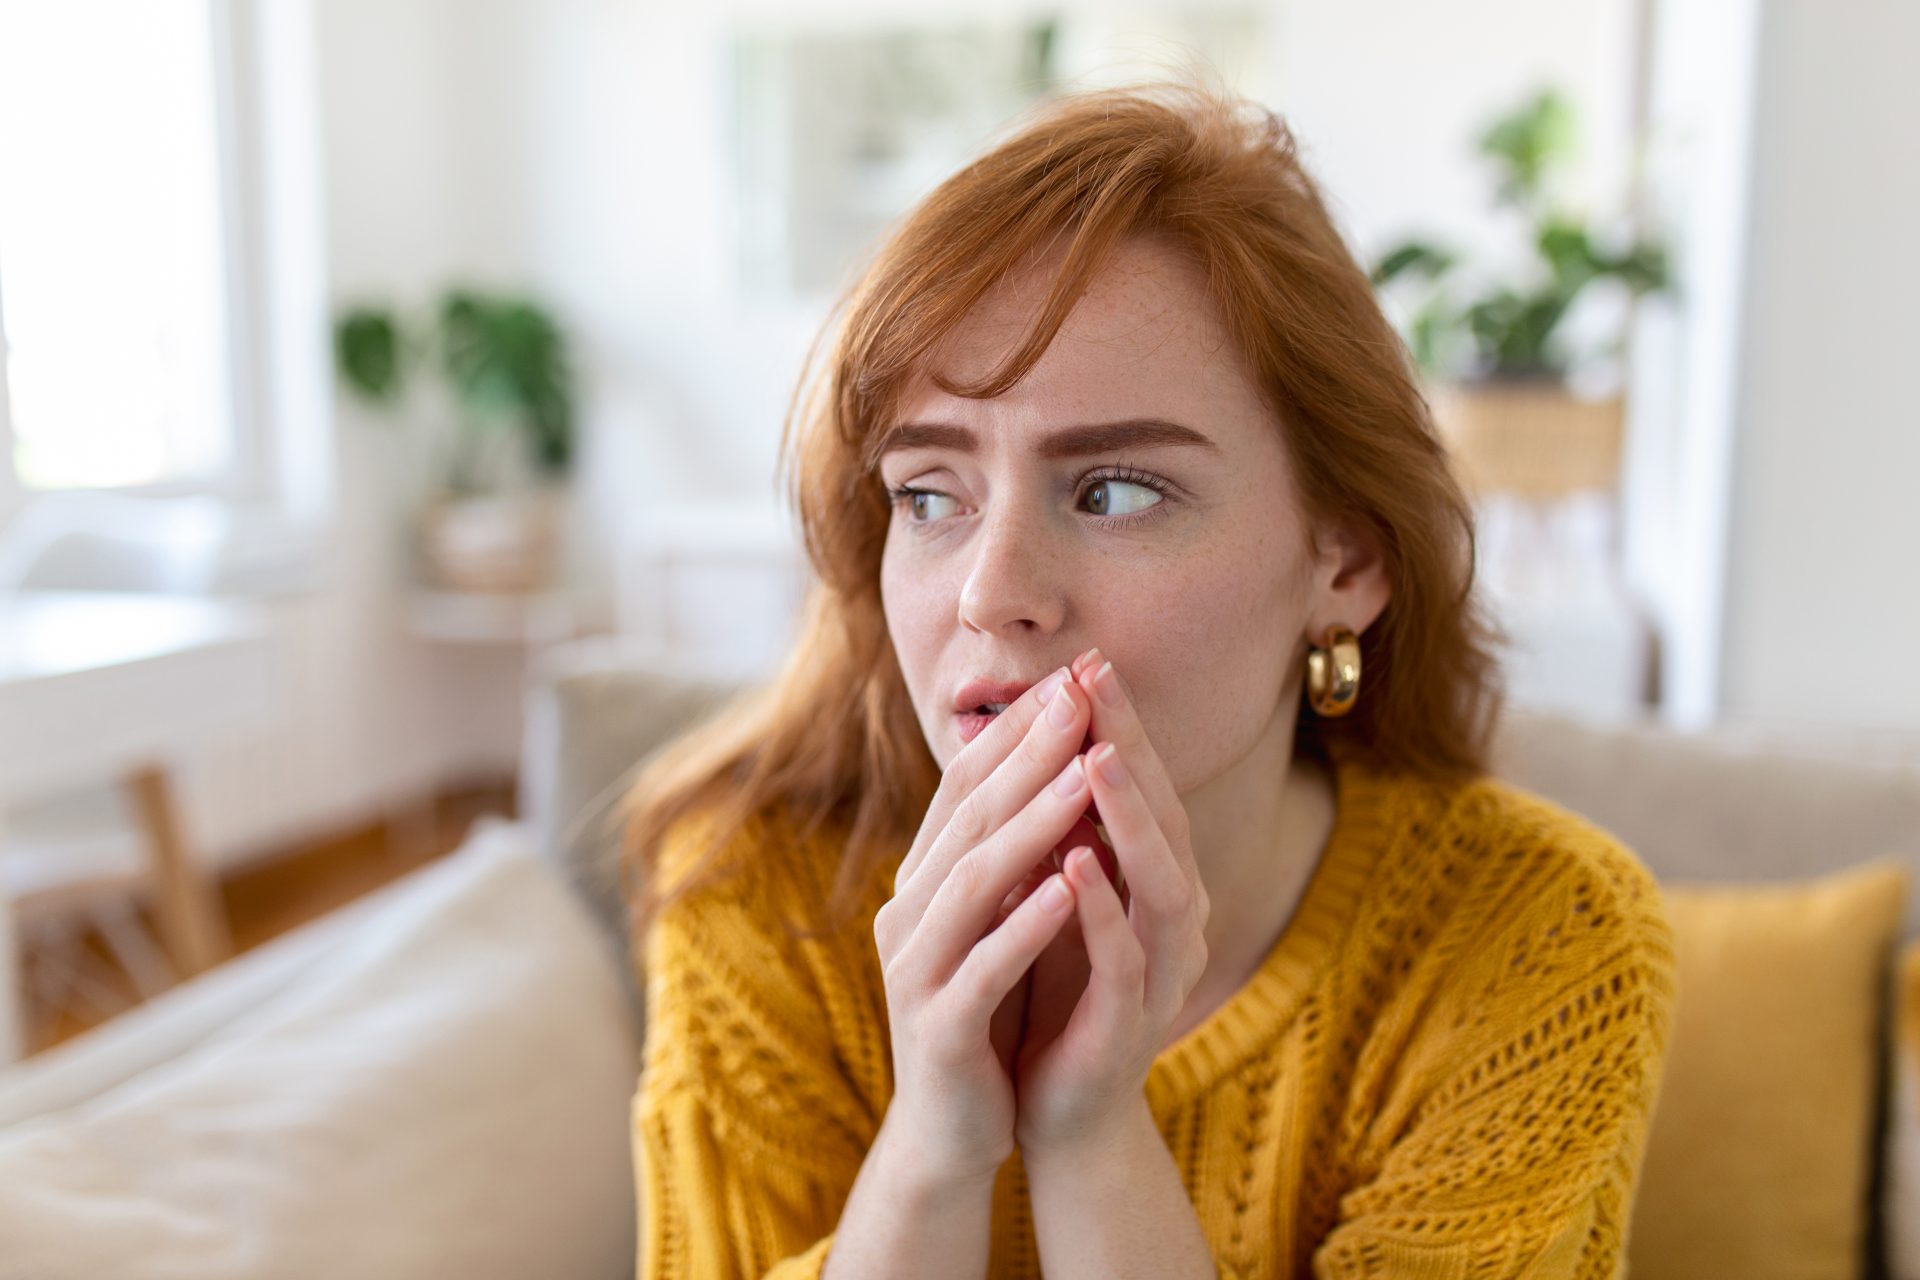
<point x="445" y="1095"/>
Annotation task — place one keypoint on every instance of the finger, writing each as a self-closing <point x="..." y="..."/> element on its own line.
<point x="1116" y="993"/>
<point x="1029" y="883"/>
<point x="1003" y="957"/>
<point x="1087" y="832"/>
<point x="1163" y="896"/>
<point x="1116" y="720"/>
<point x="964" y="903"/>
<point x="977" y="762"/>
<point x="1091" y="658"/>
<point x="1084" y="832"/>
<point x="1035" y="761"/>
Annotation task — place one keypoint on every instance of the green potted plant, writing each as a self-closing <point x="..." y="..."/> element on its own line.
<point x="491" y="520"/>
<point x="1494" y="347"/>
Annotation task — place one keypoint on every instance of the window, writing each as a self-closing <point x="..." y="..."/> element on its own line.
<point x="118" y="363"/>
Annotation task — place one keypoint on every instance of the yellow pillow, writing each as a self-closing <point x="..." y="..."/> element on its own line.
<point x="1759" y="1153"/>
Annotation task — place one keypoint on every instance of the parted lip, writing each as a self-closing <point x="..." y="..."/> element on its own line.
<point x="977" y="693"/>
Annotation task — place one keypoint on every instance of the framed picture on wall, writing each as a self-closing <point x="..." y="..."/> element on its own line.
<point x="839" y="129"/>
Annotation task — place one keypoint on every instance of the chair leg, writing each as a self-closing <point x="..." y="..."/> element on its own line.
<point x="187" y="899"/>
<point x="127" y="937"/>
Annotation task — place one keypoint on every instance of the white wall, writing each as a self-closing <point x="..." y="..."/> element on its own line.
<point x="1388" y="98"/>
<point x="1822" y="598"/>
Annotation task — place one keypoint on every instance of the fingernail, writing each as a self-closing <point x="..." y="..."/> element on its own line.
<point x="1072" y="779"/>
<point x="1107" y="685"/>
<point x="1060" y="711"/>
<point x="1111" y="770"/>
<point x="1053" y="894"/>
<point x="1080" y="862"/>
<point x="1051" y="684"/>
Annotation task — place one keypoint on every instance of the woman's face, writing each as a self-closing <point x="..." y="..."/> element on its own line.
<point x="1132" y="492"/>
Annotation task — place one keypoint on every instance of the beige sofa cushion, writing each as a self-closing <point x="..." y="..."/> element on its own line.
<point x="595" y="713"/>
<point x="446" y="1096"/>
<point x="1748" y="803"/>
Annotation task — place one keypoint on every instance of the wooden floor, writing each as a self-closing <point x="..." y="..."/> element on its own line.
<point x="278" y="892"/>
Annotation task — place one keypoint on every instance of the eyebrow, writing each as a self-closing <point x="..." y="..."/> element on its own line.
<point x="1068" y="442"/>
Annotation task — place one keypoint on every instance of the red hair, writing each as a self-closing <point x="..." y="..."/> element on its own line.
<point x="832" y="742"/>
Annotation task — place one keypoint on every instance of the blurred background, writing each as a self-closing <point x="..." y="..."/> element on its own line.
<point x="356" y="353"/>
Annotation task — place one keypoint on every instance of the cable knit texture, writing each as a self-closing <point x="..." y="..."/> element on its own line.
<point x="1445" y="1067"/>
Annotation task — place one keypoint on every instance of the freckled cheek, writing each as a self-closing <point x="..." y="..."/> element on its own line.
<point x="919" y="610"/>
<point x="1212" y="644"/>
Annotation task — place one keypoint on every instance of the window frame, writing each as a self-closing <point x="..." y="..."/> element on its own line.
<point x="229" y="27"/>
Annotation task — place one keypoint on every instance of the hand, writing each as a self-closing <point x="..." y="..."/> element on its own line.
<point x="1105" y="994"/>
<point x="951" y="959"/>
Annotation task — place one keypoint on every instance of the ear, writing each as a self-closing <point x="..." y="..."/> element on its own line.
<point x="1350" y="586"/>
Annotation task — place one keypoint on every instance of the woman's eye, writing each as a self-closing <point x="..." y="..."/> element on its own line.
<point x="1103" y="501"/>
<point x="923" y="503"/>
<point x="1109" y="497"/>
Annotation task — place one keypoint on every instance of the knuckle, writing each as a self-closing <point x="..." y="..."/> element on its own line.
<point x="904" y="973"/>
<point x="955" y="785"/>
<point x="968" y="875"/>
<point x="968" y="825"/>
<point x="1196" y="966"/>
<point x="893" y="976"/>
<point x="885" y="929"/>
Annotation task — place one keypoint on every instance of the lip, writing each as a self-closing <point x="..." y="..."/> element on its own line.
<point x="972" y="722"/>
<point x="976" y="693"/>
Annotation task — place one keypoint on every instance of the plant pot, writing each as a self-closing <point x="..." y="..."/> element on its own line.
<point x="502" y="542"/>
<point x="1533" y="440"/>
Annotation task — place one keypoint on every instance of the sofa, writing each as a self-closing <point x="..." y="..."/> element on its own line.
<point x="436" y="1080"/>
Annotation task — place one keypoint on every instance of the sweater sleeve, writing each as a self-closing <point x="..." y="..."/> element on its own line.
<point x="748" y="1130"/>
<point x="1539" y="1059"/>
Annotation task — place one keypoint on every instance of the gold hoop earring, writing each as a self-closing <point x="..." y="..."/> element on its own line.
<point x="1333" y="673"/>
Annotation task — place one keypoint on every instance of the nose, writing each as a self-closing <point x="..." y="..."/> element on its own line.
<point x="1013" y="582"/>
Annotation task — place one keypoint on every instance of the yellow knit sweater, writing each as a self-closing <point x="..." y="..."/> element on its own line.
<point x="1445" y="1067"/>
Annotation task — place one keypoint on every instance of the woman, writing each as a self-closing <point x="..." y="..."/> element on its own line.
<point x="1158" y="964"/>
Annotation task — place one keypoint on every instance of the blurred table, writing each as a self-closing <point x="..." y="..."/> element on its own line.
<point x="100" y="686"/>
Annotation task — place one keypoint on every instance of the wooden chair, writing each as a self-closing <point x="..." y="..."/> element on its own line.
<point x="92" y="859"/>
